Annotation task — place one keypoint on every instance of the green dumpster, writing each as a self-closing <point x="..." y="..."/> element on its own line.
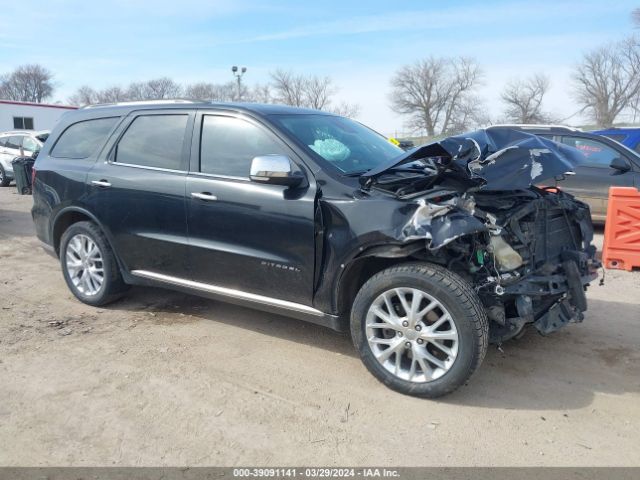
<point x="22" y="168"/>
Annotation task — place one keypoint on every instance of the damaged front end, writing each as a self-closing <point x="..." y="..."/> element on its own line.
<point x="526" y="250"/>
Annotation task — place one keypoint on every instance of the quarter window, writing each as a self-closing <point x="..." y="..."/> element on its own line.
<point x="82" y="139"/>
<point x="229" y="144"/>
<point x="153" y="141"/>
<point x="598" y="154"/>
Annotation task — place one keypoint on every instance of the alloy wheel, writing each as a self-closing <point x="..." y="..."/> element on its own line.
<point x="412" y="335"/>
<point x="84" y="264"/>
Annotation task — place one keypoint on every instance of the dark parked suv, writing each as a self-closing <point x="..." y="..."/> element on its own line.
<point x="607" y="164"/>
<point x="425" y="256"/>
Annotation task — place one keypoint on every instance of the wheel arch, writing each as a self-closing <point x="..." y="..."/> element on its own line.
<point x="74" y="214"/>
<point x="364" y="265"/>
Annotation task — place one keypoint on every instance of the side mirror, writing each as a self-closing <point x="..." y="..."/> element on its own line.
<point x="620" y="165"/>
<point x="274" y="170"/>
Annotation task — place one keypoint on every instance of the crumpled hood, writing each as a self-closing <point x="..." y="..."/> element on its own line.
<point x="497" y="158"/>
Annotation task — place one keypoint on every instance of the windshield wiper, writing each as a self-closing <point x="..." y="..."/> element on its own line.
<point x="356" y="173"/>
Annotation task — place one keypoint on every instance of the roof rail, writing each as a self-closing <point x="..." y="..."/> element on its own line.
<point x="525" y="126"/>
<point x="141" y="102"/>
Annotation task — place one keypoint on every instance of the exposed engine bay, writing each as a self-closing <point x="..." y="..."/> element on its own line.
<point x="526" y="250"/>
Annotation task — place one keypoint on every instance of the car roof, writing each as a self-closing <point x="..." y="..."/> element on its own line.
<point x="539" y="128"/>
<point x="31" y="133"/>
<point x="256" y="108"/>
<point x="617" y="129"/>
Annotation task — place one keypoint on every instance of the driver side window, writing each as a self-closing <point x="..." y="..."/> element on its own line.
<point x="228" y="145"/>
<point x="598" y="154"/>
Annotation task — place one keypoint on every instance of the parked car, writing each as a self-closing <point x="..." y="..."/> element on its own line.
<point x="424" y="256"/>
<point x="18" y="143"/>
<point x="608" y="164"/>
<point x="628" y="136"/>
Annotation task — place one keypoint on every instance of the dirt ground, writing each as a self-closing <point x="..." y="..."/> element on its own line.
<point x="162" y="378"/>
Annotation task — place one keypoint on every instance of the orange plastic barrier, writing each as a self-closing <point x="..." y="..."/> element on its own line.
<point x="621" y="248"/>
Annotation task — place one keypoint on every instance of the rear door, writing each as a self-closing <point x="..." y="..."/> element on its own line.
<point x="246" y="236"/>
<point x="137" y="191"/>
<point x="592" y="180"/>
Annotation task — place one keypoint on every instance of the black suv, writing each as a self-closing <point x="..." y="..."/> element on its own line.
<point x="425" y="256"/>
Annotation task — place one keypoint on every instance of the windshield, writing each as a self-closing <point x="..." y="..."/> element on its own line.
<point x="347" y="145"/>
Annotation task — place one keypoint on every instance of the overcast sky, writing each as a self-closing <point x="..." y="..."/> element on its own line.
<point x="358" y="43"/>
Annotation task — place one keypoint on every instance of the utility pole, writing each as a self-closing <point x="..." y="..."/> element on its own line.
<point x="238" y="73"/>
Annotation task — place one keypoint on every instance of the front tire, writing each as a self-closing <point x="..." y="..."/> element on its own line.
<point x="89" y="265"/>
<point x="420" y="329"/>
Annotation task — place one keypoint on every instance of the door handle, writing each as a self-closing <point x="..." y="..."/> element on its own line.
<point x="206" y="196"/>
<point x="101" y="183"/>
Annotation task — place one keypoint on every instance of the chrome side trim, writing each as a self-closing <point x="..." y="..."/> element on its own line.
<point x="227" y="292"/>
<point x="145" y="167"/>
<point x="221" y="177"/>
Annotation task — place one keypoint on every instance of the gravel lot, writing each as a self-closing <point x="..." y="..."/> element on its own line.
<point x="162" y="378"/>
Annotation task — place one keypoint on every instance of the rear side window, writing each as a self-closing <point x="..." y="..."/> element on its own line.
<point x="229" y="144"/>
<point x="82" y="139"/>
<point x="153" y="141"/>
<point x="3" y="141"/>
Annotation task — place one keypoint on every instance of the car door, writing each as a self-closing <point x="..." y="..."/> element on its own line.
<point x="247" y="236"/>
<point x="592" y="180"/>
<point x="137" y="191"/>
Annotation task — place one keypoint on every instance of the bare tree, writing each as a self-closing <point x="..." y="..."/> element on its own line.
<point x="288" y="87"/>
<point x="345" y="109"/>
<point x="470" y="113"/>
<point x="111" y="95"/>
<point x="523" y="99"/>
<point x="27" y="83"/>
<point x="608" y="80"/>
<point x="261" y="93"/>
<point x="214" y="92"/>
<point x="435" y="93"/>
<point x="318" y="92"/>
<point x="309" y="91"/>
<point x="156" y="89"/>
<point x="85" y="95"/>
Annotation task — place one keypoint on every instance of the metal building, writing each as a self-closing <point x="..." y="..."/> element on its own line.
<point x="30" y="116"/>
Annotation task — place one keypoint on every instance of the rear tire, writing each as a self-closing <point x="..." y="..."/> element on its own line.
<point x="4" y="181"/>
<point x="416" y="353"/>
<point x="89" y="265"/>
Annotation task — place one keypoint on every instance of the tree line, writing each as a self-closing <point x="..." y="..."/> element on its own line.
<point x="437" y="95"/>
<point x="34" y="83"/>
